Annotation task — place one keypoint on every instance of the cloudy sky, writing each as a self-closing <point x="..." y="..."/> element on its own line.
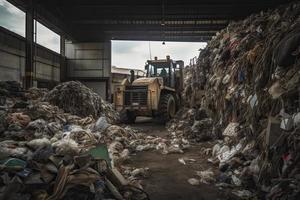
<point x="128" y="54"/>
<point x="14" y="19"/>
<point x="133" y="54"/>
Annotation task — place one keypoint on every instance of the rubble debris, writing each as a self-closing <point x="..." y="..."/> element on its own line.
<point x="101" y="124"/>
<point x="185" y="160"/>
<point x="230" y="130"/>
<point x="182" y="161"/>
<point x="250" y="76"/>
<point x="203" y="129"/>
<point x="192" y="124"/>
<point x="206" y="176"/>
<point x="11" y="89"/>
<point x="245" y="194"/>
<point x="51" y="154"/>
<point x="139" y="172"/>
<point x="175" y="148"/>
<point x="36" y="93"/>
<point x="193" y="181"/>
<point x="20" y="119"/>
<point x="42" y="143"/>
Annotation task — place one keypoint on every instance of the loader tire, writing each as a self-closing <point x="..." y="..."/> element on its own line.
<point x="128" y="117"/>
<point x="167" y="107"/>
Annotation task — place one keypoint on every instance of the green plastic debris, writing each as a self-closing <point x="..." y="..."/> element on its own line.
<point x="101" y="152"/>
<point x="13" y="163"/>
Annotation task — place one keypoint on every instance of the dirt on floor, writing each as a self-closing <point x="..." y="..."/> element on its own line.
<point x="168" y="178"/>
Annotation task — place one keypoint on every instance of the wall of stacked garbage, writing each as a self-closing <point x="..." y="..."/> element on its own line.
<point x="250" y="75"/>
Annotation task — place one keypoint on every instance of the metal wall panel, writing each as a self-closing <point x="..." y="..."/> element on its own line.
<point x="88" y="60"/>
<point x="47" y="69"/>
<point x="11" y="67"/>
<point x="12" y="57"/>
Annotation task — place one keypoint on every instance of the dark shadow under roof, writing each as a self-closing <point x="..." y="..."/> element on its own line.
<point x="168" y="20"/>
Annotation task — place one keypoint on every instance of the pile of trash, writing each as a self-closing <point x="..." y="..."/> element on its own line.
<point x="48" y="153"/>
<point x="192" y="124"/>
<point x="77" y="99"/>
<point x="247" y="80"/>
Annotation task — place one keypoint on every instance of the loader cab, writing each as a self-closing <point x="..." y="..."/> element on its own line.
<point x="164" y="68"/>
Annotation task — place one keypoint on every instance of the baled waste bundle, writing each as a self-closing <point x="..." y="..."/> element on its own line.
<point x="48" y="153"/>
<point x="247" y="80"/>
<point x="77" y="99"/>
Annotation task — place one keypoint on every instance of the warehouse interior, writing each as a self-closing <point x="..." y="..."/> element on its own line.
<point x="233" y="133"/>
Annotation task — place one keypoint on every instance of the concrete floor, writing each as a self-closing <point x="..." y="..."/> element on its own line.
<point x="168" y="178"/>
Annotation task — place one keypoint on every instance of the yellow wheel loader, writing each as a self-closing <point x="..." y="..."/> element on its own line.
<point x="156" y="95"/>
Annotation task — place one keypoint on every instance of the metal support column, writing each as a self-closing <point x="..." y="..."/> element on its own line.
<point x="63" y="66"/>
<point x="29" y="53"/>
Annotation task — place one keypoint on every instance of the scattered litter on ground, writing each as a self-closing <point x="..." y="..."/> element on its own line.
<point x="181" y="160"/>
<point x="206" y="176"/>
<point x="193" y="181"/>
<point x="186" y="161"/>
<point x="72" y="140"/>
<point x="47" y="151"/>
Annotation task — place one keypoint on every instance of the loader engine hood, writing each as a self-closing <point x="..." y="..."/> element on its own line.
<point x="148" y="81"/>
